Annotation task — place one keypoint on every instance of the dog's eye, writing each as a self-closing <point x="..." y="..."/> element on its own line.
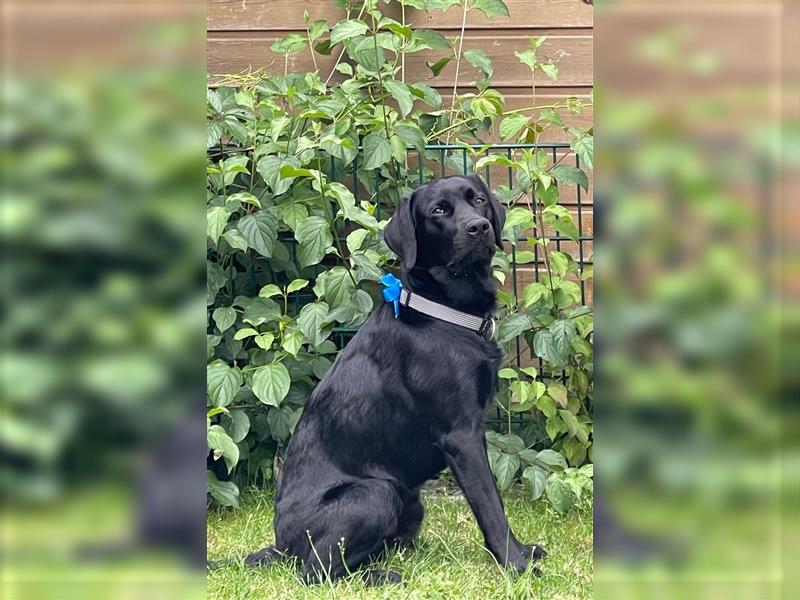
<point x="479" y="201"/>
<point x="439" y="210"/>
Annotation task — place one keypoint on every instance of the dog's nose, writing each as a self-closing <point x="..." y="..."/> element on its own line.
<point x="478" y="226"/>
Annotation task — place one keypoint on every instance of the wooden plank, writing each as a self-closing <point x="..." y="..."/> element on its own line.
<point x="230" y="15"/>
<point x="572" y="54"/>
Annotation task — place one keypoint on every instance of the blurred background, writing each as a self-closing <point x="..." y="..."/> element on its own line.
<point x="103" y="455"/>
<point x="696" y="433"/>
<point x="102" y="231"/>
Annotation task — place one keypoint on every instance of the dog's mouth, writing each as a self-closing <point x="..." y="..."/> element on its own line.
<point x="474" y="254"/>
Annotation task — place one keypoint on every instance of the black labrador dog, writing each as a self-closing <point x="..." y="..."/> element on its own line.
<point x="405" y="398"/>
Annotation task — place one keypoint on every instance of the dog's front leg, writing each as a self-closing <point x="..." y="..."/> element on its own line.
<point x="465" y="452"/>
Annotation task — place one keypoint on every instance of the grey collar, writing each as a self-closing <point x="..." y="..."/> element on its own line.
<point x="483" y="327"/>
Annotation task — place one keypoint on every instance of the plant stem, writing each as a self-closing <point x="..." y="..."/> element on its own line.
<point x="567" y="154"/>
<point x="383" y="97"/>
<point x="403" y="47"/>
<point x="458" y="61"/>
<point x="311" y="48"/>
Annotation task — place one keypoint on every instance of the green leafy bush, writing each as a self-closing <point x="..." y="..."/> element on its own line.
<point x="302" y="176"/>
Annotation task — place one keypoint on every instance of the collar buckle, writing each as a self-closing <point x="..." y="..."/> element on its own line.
<point x="488" y="329"/>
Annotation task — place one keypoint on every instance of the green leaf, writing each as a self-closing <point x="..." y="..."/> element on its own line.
<point x="344" y="198"/>
<point x="559" y="263"/>
<point x="507" y="374"/>
<point x="412" y="136"/>
<point x="242" y="198"/>
<point x="551" y="116"/>
<point x="535" y="480"/>
<point x="547" y="405"/>
<point x="292" y="341"/>
<point x="570" y="176"/>
<point x="264" y="340"/>
<point x="240" y="425"/>
<point x="293" y="214"/>
<point x="217" y="218"/>
<point x="550" y="70"/>
<point x="291" y="44"/>
<point x="560" y="494"/>
<point x="571" y="421"/>
<point x="544" y="348"/>
<point x="271" y="383"/>
<point x="269" y="290"/>
<point x="517" y="219"/>
<point x="430" y="39"/>
<point x="505" y="467"/>
<point x="575" y="452"/>
<point x="215" y="280"/>
<point x="269" y="167"/>
<point x="365" y="54"/>
<point x="533" y="293"/>
<point x="244" y="333"/>
<point x="558" y="393"/>
<point x="511" y="125"/>
<point x="553" y="427"/>
<point x="402" y="94"/>
<point x="377" y="151"/>
<point x="563" y="331"/>
<point x="235" y="239"/>
<point x="213" y="98"/>
<point x="512" y="326"/>
<point x="223" y="446"/>
<point x="335" y="286"/>
<point x="527" y="57"/>
<point x="296" y="285"/>
<point x="345" y="30"/>
<point x="355" y="239"/>
<point x="223" y="382"/>
<point x="491" y="8"/>
<point x="261" y="310"/>
<point x="437" y="66"/>
<point x="480" y="60"/>
<point x="260" y="230"/>
<point x="429" y="95"/>
<point x="224" y="317"/>
<point x="494" y="159"/>
<point x="551" y="460"/>
<point x="314" y="236"/>
<point x="224" y="492"/>
<point x="312" y="320"/>
<point x="317" y="29"/>
<point x="584" y="148"/>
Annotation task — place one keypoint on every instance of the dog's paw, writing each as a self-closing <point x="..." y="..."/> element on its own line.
<point x="535" y="551"/>
<point x="524" y="556"/>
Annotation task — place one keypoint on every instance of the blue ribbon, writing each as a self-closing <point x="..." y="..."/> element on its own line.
<point x="391" y="291"/>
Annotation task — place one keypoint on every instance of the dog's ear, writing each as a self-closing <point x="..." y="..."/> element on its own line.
<point x="498" y="211"/>
<point x="400" y="233"/>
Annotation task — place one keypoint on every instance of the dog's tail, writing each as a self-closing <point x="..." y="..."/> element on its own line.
<point x="260" y="558"/>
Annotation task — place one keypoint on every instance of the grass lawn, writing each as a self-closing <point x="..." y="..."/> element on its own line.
<point x="449" y="560"/>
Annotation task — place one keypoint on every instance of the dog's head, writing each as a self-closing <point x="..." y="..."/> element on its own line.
<point x="453" y="222"/>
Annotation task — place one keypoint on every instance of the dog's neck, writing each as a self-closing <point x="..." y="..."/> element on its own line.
<point x="472" y="291"/>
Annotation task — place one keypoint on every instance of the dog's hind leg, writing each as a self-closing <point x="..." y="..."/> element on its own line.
<point x="349" y="528"/>
<point x="409" y="522"/>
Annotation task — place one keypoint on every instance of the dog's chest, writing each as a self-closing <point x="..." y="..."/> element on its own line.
<point x="465" y="374"/>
